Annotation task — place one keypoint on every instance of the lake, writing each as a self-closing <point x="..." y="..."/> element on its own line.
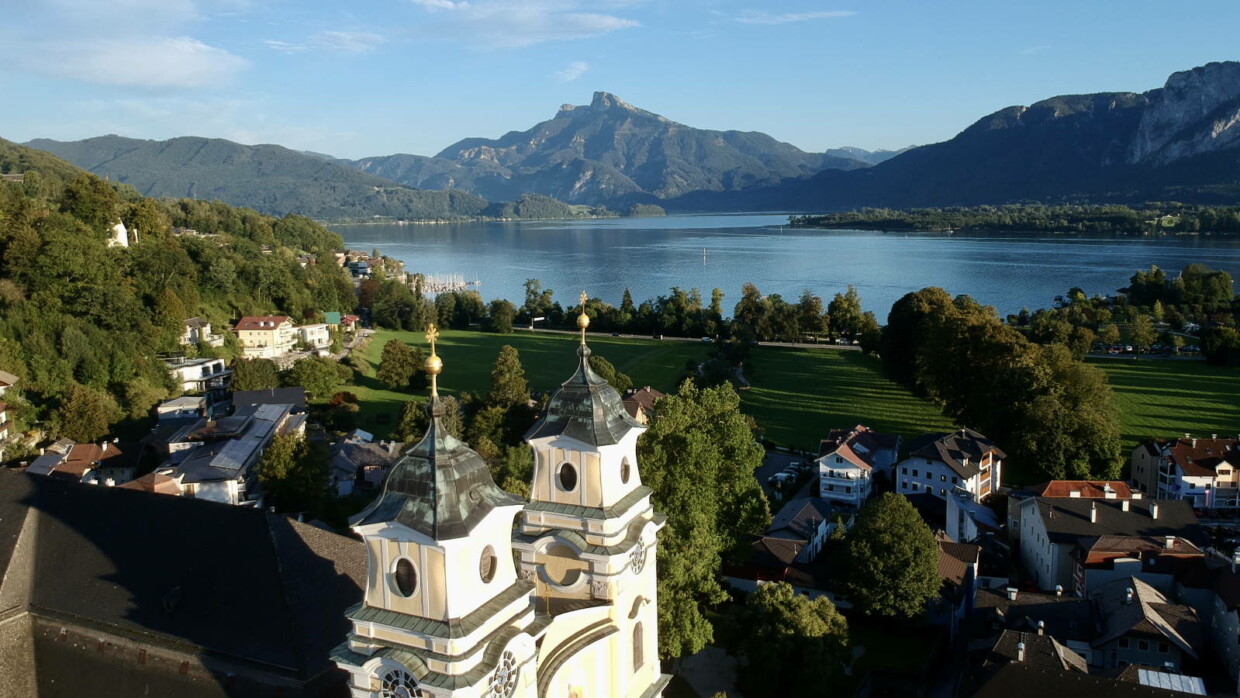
<point x="650" y="255"/>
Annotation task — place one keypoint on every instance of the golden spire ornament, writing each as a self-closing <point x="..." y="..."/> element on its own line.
<point x="434" y="365"/>
<point x="583" y="320"/>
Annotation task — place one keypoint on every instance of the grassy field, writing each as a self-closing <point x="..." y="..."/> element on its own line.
<point x="798" y="395"/>
<point x="548" y="359"/>
<point x="1158" y="398"/>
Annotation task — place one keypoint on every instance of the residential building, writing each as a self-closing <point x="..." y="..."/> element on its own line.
<point x="314" y="336"/>
<point x="806" y="521"/>
<point x="940" y="463"/>
<point x="7" y="380"/>
<point x="106" y="463"/>
<point x="1225" y="620"/>
<point x="111" y="592"/>
<point x="198" y="332"/>
<point x="958" y="572"/>
<point x="361" y="465"/>
<point x="1206" y="472"/>
<point x="1035" y="649"/>
<point x="1068" y="619"/>
<point x="1139" y="625"/>
<point x="185" y="407"/>
<point x="1052" y="528"/>
<point x="967" y="520"/>
<point x="332" y="318"/>
<point x="266" y="337"/>
<point x="1073" y="489"/>
<point x="296" y="397"/>
<point x="1155" y="561"/>
<point x="639" y="403"/>
<point x="348" y="323"/>
<point x="219" y="466"/>
<point x="154" y="483"/>
<point x="849" y="460"/>
<point x="1023" y="680"/>
<point x="199" y="376"/>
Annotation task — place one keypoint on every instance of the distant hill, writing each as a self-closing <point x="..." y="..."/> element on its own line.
<point x="1180" y="142"/>
<point x="605" y="153"/>
<point x="268" y="178"/>
<point x="18" y="159"/>
<point x="869" y="157"/>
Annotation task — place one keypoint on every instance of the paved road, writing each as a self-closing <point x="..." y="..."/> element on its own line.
<point x="669" y="338"/>
<point x="774" y="462"/>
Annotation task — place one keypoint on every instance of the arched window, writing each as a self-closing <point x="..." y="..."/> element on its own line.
<point x="639" y="657"/>
<point x="624" y="470"/>
<point x="405" y="577"/>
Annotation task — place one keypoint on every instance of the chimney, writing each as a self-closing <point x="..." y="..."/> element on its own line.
<point x="1123" y="505"/>
<point x="1093" y="512"/>
<point x="1011" y="593"/>
<point x="1213" y="436"/>
<point x="1020" y="651"/>
<point x="1137" y="495"/>
<point x="1153" y="510"/>
<point x="1058" y="591"/>
<point x="1128" y="596"/>
<point x="1169" y="542"/>
<point x="1041" y="627"/>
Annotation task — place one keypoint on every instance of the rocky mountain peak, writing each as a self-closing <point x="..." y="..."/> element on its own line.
<point x="605" y="100"/>
<point x="1197" y="111"/>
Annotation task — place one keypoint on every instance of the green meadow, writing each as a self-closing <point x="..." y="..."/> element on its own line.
<point x="1166" y="398"/>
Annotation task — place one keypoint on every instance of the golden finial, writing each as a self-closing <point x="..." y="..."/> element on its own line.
<point x="583" y="320"/>
<point x="434" y="365"/>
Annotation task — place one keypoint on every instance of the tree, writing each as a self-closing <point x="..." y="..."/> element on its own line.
<point x="891" y="559"/>
<point x="1142" y="332"/>
<point x="414" y="419"/>
<point x="844" y="312"/>
<point x="500" y="314"/>
<point x="699" y="436"/>
<point x="508" y="385"/>
<point x="793" y="646"/>
<point x="255" y="374"/>
<point x="86" y="413"/>
<point x="317" y="375"/>
<point x="397" y="364"/>
<point x="92" y="201"/>
<point x="1109" y="334"/>
<point x="295" y="473"/>
<point x="607" y="372"/>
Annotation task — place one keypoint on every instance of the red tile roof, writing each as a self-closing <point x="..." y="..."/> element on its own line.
<point x="83" y="457"/>
<point x="1086" y="489"/>
<point x="261" y="322"/>
<point x="1201" y="457"/>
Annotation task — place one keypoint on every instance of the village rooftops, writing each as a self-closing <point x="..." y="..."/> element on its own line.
<point x="798" y="518"/>
<point x="1069" y="520"/>
<point x="1199" y="457"/>
<point x="154" y="483"/>
<point x="955" y="560"/>
<point x="1022" y="680"/>
<point x="1130" y="605"/>
<point x="641" y="400"/>
<point x="961" y="450"/>
<point x="1038" y="650"/>
<point x="1085" y="489"/>
<point x="261" y="322"/>
<point x="1067" y="618"/>
<point x="274" y="396"/>
<point x="861" y="435"/>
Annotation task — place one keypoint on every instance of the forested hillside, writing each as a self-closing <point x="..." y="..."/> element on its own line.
<point x="82" y="322"/>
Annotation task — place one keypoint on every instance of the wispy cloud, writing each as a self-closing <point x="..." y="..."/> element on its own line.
<point x="763" y="17"/>
<point x="508" y="24"/>
<point x="571" y="72"/>
<point x="132" y="43"/>
<point x="1033" y="49"/>
<point x="334" y="41"/>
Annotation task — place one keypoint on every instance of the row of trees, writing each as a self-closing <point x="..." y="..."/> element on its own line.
<point x="1054" y="415"/>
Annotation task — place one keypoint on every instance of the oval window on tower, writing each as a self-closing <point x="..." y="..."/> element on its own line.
<point x="625" y="470"/>
<point x="487" y="564"/>
<point x="405" y="577"/>
<point x="568" y="477"/>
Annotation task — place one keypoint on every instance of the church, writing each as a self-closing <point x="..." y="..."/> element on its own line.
<point x="473" y="592"/>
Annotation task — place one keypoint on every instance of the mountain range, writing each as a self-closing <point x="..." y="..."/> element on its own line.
<point x="1179" y="142"/>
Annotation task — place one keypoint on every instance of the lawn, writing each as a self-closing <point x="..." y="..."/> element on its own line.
<point x="798" y="395"/>
<point x="1163" y="398"/>
<point x="548" y="359"/>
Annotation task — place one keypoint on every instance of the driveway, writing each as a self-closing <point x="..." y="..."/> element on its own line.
<point x="774" y="462"/>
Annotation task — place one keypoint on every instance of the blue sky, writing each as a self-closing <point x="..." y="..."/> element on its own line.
<point x="375" y="77"/>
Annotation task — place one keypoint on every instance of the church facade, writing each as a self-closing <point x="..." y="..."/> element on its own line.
<point x="473" y="592"/>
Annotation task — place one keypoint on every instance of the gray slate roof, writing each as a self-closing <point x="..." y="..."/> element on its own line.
<point x="585" y="408"/>
<point x="440" y="487"/>
<point x="954" y="449"/>
<point x="1067" y="520"/>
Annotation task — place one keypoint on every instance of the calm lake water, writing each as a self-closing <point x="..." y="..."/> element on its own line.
<point x="650" y="255"/>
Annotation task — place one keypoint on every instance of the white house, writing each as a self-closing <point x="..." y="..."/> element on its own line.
<point x="198" y="332"/>
<point x="1206" y="472"/>
<point x="315" y="336"/>
<point x="849" y="461"/>
<point x="266" y="336"/>
<point x="199" y="375"/>
<point x="221" y="467"/>
<point x="1050" y="529"/>
<point x="806" y="521"/>
<point x="939" y="464"/>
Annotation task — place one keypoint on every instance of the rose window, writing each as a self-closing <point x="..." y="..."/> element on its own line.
<point x="399" y="683"/>
<point x="637" y="558"/>
<point x="504" y="680"/>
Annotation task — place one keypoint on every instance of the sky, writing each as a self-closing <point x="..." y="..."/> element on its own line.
<point x="376" y="77"/>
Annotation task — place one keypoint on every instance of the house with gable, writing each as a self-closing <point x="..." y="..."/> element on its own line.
<point x="198" y="332"/>
<point x="1140" y="625"/>
<point x="849" y="460"/>
<point x="266" y="336"/>
<point x="1206" y="472"/>
<point x="1070" y="489"/>
<point x="938" y="464"/>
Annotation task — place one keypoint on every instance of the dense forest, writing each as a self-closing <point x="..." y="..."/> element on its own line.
<point x="83" y="322"/>
<point x="1152" y="218"/>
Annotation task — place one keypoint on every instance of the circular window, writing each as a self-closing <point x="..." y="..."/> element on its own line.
<point x="399" y="683"/>
<point x="625" y="471"/>
<point x="405" y="577"/>
<point x="504" y="681"/>
<point x="568" y="477"/>
<point x="487" y="564"/>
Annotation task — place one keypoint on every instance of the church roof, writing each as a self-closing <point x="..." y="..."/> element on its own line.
<point x="585" y="408"/>
<point x="440" y="487"/>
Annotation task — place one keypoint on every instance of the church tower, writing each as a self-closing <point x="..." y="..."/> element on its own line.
<point x="445" y="613"/>
<point x="587" y="540"/>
